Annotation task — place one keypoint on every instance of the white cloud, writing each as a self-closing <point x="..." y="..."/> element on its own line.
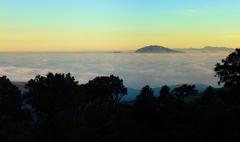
<point x="137" y="70"/>
<point x="24" y="73"/>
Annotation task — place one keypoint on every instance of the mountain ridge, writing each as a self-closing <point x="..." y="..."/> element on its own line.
<point x="155" y="49"/>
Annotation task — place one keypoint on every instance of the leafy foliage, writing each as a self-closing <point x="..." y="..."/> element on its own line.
<point x="145" y="95"/>
<point x="52" y="93"/>
<point x="10" y="96"/>
<point x="229" y="70"/>
<point x="105" y="89"/>
<point x="165" y="91"/>
<point x="184" y="91"/>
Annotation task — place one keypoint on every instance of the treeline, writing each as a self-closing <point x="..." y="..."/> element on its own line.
<point x="55" y="108"/>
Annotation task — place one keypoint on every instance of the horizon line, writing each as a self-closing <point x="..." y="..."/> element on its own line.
<point x="108" y="51"/>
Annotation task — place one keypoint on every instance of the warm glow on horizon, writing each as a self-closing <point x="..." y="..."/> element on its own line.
<point x="117" y="25"/>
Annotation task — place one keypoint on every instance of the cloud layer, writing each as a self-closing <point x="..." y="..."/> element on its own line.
<point x="137" y="70"/>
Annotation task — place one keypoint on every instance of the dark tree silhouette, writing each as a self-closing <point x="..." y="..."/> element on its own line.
<point x="146" y="94"/>
<point x="229" y="70"/>
<point x="10" y="96"/>
<point x="208" y="95"/>
<point x="52" y="93"/>
<point x="209" y="91"/>
<point x="70" y="112"/>
<point x="184" y="91"/>
<point x="53" y="99"/>
<point x="165" y="91"/>
<point x="105" y="90"/>
<point x="14" y="122"/>
<point x="166" y="99"/>
<point x="145" y="101"/>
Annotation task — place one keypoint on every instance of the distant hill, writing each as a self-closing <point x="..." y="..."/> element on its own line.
<point x="217" y="48"/>
<point x="155" y="49"/>
<point x="210" y="48"/>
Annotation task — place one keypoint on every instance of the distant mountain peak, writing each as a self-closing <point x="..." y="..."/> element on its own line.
<point x="155" y="49"/>
<point x="216" y="48"/>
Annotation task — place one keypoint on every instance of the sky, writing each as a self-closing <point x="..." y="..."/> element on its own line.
<point x="117" y="25"/>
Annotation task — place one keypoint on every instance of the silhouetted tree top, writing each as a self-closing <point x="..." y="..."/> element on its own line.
<point x="209" y="91"/>
<point x="165" y="91"/>
<point x="146" y="94"/>
<point x="106" y="88"/>
<point x="10" y="96"/>
<point x="228" y="70"/>
<point x="184" y="90"/>
<point x="146" y="102"/>
<point x="71" y="112"/>
<point x="208" y="96"/>
<point x="52" y="92"/>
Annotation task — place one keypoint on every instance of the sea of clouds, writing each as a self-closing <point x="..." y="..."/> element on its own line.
<point x="137" y="70"/>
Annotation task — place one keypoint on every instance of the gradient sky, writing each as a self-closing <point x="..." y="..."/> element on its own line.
<point x="99" y="25"/>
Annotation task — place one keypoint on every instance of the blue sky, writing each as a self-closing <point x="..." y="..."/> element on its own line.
<point x="113" y="4"/>
<point x="114" y="24"/>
